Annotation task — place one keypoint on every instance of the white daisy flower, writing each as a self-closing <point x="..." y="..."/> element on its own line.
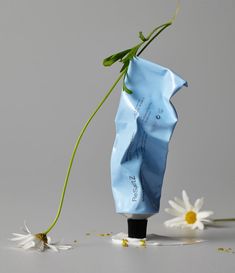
<point x="186" y="214"/>
<point x="39" y="241"/>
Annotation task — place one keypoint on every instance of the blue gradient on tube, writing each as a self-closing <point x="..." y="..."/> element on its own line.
<point x="145" y="122"/>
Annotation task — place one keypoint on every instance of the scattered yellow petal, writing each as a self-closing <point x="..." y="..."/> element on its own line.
<point x="225" y="250"/>
<point x="142" y="243"/>
<point x="124" y="242"/>
<point x="220" y="249"/>
<point x="104" y="234"/>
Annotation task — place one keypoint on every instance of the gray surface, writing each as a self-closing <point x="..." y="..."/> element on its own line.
<point x="52" y="78"/>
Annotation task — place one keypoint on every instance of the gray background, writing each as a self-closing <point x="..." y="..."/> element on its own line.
<point x="52" y="78"/>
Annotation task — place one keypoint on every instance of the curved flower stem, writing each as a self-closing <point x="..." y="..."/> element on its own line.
<point x="75" y="150"/>
<point x="224" y="220"/>
<point x="159" y="30"/>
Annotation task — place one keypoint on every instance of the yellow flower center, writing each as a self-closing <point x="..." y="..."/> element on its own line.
<point x="190" y="217"/>
<point x="42" y="237"/>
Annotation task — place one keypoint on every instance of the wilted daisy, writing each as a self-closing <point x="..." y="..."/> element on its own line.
<point x="38" y="241"/>
<point x="186" y="214"/>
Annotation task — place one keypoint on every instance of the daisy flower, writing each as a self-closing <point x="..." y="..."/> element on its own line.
<point x="186" y="214"/>
<point x="39" y="241"/>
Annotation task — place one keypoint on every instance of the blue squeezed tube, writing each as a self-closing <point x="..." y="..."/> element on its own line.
<point x="145" y="121"/>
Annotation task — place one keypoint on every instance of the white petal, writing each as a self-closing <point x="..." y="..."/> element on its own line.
<point x="26" y="228"/>
<point x="29" y="245"/>
<point x="26" y="240"/>
<point x="175" y="224"/>
<point x="200" y="225"/>
<point x="186" y="200"/>
<point x="179" y="224"/>
<point x="198" y="204"/>
<point x="16" y="239"/>
<point x="19" y="235"/>
<point x="173" y="221"/>
<point x="48" y="239"/>
<point x="52" y="247"/>
<point x="63" y="247"/>
<point x="204" y="214"/>
<point x="172" y="212"/>
<point x="179" y="201"/>
<point x="176" y="206"/>
<point x="206" y="220"/>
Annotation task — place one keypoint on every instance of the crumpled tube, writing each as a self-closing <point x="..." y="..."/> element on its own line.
<point x="145" y="121"/>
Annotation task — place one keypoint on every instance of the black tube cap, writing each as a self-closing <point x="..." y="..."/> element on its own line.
<point x="137" y="228"/>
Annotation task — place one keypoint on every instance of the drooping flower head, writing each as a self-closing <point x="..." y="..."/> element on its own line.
<point x="39" y="241"/>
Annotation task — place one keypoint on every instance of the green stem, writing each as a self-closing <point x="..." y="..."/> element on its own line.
<point x="160" y="29"/>
<point x="224" y="220"/>
<point x="157" y="28"/>
<point x="163" y="27"/>
<point x="75" y="150"/>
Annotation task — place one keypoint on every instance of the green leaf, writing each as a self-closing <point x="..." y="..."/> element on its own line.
<point x="131" y="54"/>
<point x="128" y="91"/>
<point x="115" y="57"/>
<point x="125" y="89"/>
<point x="141" y="36"/>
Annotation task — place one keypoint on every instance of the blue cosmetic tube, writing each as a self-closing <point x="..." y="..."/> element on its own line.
<point x="145" y="122"/>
